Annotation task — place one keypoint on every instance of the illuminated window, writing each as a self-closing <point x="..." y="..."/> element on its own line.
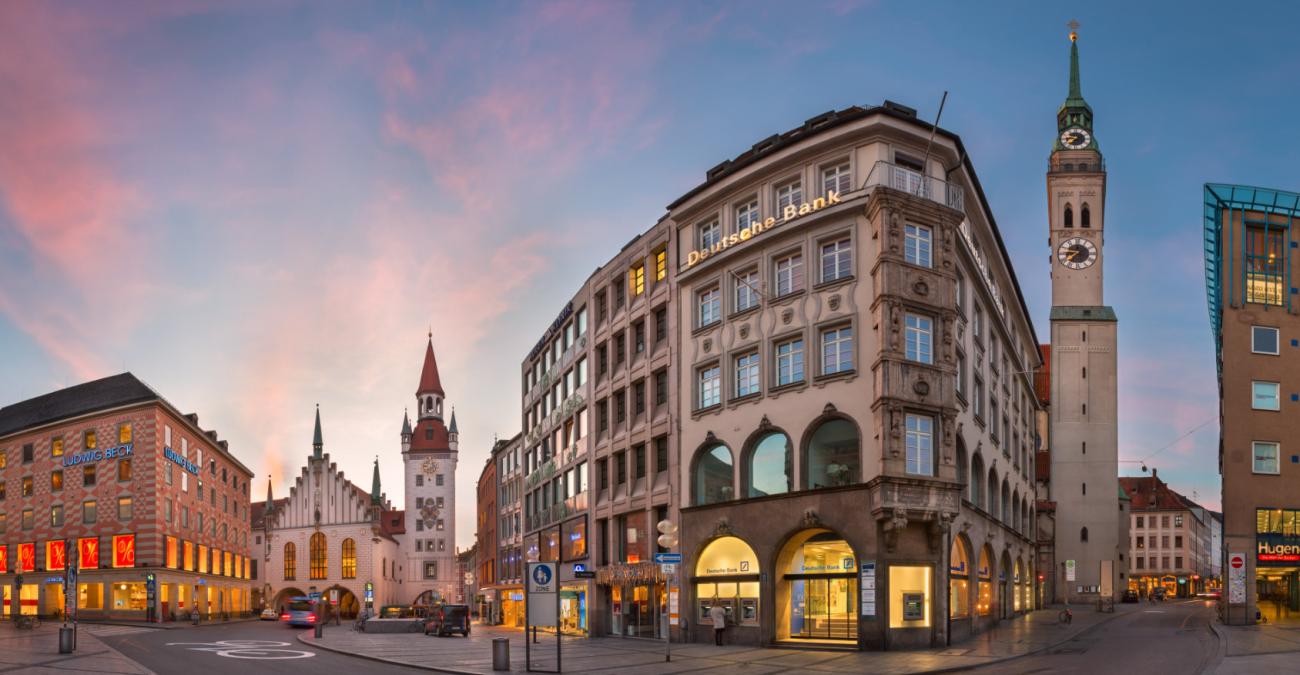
<point x="56" y="449"/>
<point x="27" y="486"/>
<point x="636" y="279"/>
<point x="89" y="512"/>
<point x="959" y="581"/>
<point x="349" y="559"/>
<point x="171" y="552"/>
<point x="56" y="480"/>
<point x="124" y="508"/>
<point x="124" y="469"/>
<point x="984" y="602"/>
<point x="56" y="515"/>
<point x="89" y="440"/>
<point x="124" y="434"/>
<point x="1266" y="457"/>
<point x="290" y="561"/>
<point x="909" y="596"/>
<point x="661" y="273"/>
<point x="319" y="561"/>
<point x="1265" y="265"/>
<point x="187" y="559"/>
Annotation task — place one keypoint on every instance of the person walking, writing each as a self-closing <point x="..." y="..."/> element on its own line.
<point x="718" y="616"/>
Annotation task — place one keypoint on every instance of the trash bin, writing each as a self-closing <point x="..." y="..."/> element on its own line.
<point x="500" y="654"/>
<point x="320" y="631"/>
<point x="65" y="640"/>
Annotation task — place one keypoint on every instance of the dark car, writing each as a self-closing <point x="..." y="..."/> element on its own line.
<point x="448" y="619"/>
<point x="1130" y="596"/>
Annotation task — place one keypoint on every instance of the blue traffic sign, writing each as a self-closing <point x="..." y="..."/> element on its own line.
<point x="668" y="558"/>
<point x="542" y="575"/>
<point x="579" y="567"/>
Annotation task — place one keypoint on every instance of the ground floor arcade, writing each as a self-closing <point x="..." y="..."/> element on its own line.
<point x="123" y="594"/>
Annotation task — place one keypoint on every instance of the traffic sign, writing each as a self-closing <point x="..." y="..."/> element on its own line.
<point x="1238" y="561"/>
<point x="668" y="558"/>
<point x="541" y="599"/>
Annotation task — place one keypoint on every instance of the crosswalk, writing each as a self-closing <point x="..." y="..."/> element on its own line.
<point x="109" y="631"/>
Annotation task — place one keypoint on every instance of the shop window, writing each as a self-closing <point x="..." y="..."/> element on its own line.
<point x="959" y="580"/>
<point x="90" y="596"/>
<point x="769" y="469"/>
<point x="984" y="573"/>
<point x="818" y="589"/>
<point x="833" y="456"/>
<point x="129" y="596"/>
<point x="909" y="596"/>
<point x="713" y="475"/>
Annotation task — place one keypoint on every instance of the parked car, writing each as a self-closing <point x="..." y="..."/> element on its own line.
<point x="448" y="619"/>
<point x="1130" y="596"/>
<point x="269" y="614"/>
<point x="300" y="612"/>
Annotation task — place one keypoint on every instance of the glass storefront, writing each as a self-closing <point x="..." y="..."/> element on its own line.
<point x="129" y="595"/>
<point x="821" y="581"/>
<point x="53" y="599"/>
<point x="512" y="608"/>
<point x="638" y="610"/>
<point x="984" y="604"/>
<point x="959" y="581"/>
<point x="573" y="610"/>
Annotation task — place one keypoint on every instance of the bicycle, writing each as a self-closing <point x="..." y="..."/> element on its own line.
<point x="28" y="622"/>
<point x="1065" y="617"/>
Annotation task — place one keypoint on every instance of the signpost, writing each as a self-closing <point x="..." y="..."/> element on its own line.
<point x="1236" y="579"/>
<point x="867" y="589"/>
<point x="542" y="600"/>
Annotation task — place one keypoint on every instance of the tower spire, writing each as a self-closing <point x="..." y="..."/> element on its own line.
<point x="269" y="500"/>
<point x="317" y="442"/>
<point x="374" y="483"/>
<point x="1075" y="97"/>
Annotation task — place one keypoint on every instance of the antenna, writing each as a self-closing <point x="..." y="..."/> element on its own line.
<point x="925" y="162"/>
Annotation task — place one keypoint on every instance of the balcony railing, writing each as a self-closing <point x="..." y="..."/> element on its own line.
<point x="914" y="182"/>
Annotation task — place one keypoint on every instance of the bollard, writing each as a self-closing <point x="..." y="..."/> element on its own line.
<point x="65" y="640"/>
<point x="500" y="654"/>
<point x="320" y="631"/>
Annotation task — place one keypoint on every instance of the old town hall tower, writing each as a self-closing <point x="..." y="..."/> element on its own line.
<point x="1084" y="429"/>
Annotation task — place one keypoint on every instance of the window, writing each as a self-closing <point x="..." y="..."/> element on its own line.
<point x="790" y="194"/>
<point x="88" y="475"/>
<point x="746" y="290"/>
<point x="56" y="515"/>
<point x="661" y="387"/>
<point x="1266" y="457"/>
<point x="661" y="454"/>
<point x="1265" y="265"/>
<point x="1083" y="534"/>
<point x="710" y="303"/>
<point x="710" y="386"/>
<point x="28" y="487"/>
<point x="746" y="374"/>
<point x="437" y="480"/>
<point x="789" y="362"/>
<point x="124" y="469"/>
<point x="661" y="325"/>
<point x="661" y="273"/>
<point x="920" y="445"/>
<point x="1265" y="396"/>
<point x="636" y="279"/>
<point x="431" y="569"/>
<point x="56" y="447"/>
<point x="1178" y="521"/>
<point x="916" y="245"/>
<point x="1069" y="216"/>
<point x="1140" y="520"/>
<point x="833" y="455"/>
<point x="789" y="274"/>
<point x="319" y="559"/>
<point x="124" y="434"/>
<point x="837" y="260"/>
<point x="29" y="451"/>
<point x="1264" y="340"/>
<point x="837" y="350"/>
<point x="977" y="396"/>
<point x="709" y="234"/>
<point x="29" y="520"/>
<point x="917" y="334"/>
<point x="638" y="457"/>
<point x="89" y="512"/>
<point x="746" y="215"/>
<point x="56" y="480"/>
<point x="124" y="508"/>
<point x="89" y="441"/>
<point x="836" y="178"/>
<point x="769" y="469"/>
<point x="290" y="560"/>
<point x="960" y="383"/>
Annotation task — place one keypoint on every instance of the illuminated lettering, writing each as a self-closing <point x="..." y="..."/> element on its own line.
<point x="788" y="212"/>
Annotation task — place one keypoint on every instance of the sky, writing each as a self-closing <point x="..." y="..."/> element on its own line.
<point x="260" y="207"/>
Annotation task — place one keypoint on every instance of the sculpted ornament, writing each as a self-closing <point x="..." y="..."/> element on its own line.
<point x="834" y="302"/>
<point x="895" y="525"/>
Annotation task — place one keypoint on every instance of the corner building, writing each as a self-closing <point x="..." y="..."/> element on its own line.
<point x="112" y="473"/>
<point x="856" y="404"/>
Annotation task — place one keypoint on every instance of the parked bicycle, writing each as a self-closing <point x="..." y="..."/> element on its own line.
<point x="27" y="621"/>
<point x="1065" y="617"/>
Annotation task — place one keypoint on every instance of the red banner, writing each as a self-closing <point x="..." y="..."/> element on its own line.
<point x="89" y="549"/>
<point x="56" y="555"/>
<point x="4" y="559"/>
<point x="124" y="550"/>
<point x="27" y="557"/>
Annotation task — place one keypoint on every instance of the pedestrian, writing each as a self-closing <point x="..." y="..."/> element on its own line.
<point x="718" y="616"/>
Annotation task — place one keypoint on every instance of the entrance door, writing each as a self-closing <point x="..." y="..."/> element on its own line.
<point x="827" y="610"/>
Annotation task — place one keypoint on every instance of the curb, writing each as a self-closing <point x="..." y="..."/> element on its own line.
<point x="311" y="642"/>
<point x="170" y="625"/>
<point x="1222" y="651"/>
<point x="1006" y="659"/>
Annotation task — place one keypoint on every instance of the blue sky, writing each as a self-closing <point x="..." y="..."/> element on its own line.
<point x="259" y="207"/>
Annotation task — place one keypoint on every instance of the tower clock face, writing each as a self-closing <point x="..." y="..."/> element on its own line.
<point x="1075" y="138"/>
<point x="429" y="467"/>
<point x="1077" y="253"/>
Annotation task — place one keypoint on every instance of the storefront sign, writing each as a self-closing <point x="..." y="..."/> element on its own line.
<point x="1236" y="579"/>
<point x="867" y="588"/>
<point x="983" y="266"/>
<point x="1276" y="548"/>
<point x="124" y="550"/>
<point x="551" y="331"/>
<point x="789" y="213"/>
<point x="184" y="463"/>
<point x="4" y="559"/>
<point x="726" y="556"/>
<point x="89" y="550"/>
<point x="27" y="557"/>
<point x="90" y="456"/>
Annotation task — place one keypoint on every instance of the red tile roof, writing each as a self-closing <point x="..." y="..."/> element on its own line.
<point x="1149" y="493"/>
<point x="392" y="522"/>
<point x="1043" y="376"/>
<point x="429" y="380"/>
<point x="257" y="512"/>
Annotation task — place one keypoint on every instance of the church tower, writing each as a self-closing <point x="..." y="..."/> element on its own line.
<point x="1084" y="429"/>
<point x="429" y="460"/>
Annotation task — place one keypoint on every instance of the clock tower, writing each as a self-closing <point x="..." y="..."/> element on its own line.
<point x="1084" y="432"/>
<point x="429" y="454"/>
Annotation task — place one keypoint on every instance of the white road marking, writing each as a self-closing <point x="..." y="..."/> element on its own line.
<point x="266" y="650"/>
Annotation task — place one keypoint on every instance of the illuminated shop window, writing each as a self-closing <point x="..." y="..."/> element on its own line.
<point x="959" y="580"/>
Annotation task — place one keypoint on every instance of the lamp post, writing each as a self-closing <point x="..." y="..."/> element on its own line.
<point x="668" y="539"/>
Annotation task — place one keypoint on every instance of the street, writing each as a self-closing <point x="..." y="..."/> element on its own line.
<point x="221" y="649"/>
<point x="1168" y="637"/>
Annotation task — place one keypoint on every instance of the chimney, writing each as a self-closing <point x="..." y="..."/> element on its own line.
<point x="1154" y="473"/>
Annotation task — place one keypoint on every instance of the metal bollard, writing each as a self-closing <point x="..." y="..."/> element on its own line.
<point x="500" y="654"/>
<point x="320" y="631"/>
<point x="65" y="640"/>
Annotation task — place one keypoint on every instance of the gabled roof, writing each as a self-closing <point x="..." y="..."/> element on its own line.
<point x="257" y="512"/>
<point x="102" y="394"/>
<point x="392" y="522"/>
<point x="1149" y="493"/>
<point x="429" y="380"/>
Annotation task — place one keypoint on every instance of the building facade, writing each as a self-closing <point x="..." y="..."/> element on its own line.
<point x="1045" y="508"/>
<point x="111" y="476"/>
<point x="856" y="406"/>
<point x="1249" y="248"/>
<point x="485" y="540"/>
<point x="500" y="595"/>
<point x="1169" y="544"/>
<point x="330" y="537"/>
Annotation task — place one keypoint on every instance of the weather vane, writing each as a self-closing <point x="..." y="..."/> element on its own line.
<point x="1074" y="30"/>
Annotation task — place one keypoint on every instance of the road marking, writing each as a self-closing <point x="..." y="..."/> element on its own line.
<point x="108" y="631"/>
<point x="1154" y="611"/>
<point x="264" y="650"/>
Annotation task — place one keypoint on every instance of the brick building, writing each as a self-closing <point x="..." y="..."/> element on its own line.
<point x="112" y="473"/>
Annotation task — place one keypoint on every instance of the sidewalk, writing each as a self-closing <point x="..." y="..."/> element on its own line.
<point x="1014" y="638"/>
<point x="1262" y="648"/>
<point x="37" y="651"/>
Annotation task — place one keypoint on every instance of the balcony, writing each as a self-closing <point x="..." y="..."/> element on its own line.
<point x="1076" y="165"/>
<point x="913" y="182"/>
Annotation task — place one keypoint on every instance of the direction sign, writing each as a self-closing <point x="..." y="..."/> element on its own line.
<point x="668" y="558"/>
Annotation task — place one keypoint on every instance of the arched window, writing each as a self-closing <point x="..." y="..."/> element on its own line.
<point x="290" y="561"/>
<point x="768" y="467"/>
<point x="963" y="475"/>
<point x="984" y="601"/>
<point x="349" y="559"/>
<point x="993" y="494"/>
<point x="1084" y="217"/>
<point x="319" y="565"/>
<point x="1083" y="534"/>
<point x="1069" y="216"/>
<point x="1005" y="513"/>
<point x="833" y="457"/>
<point x="713" y="475"/>
<point x="977" y="482"/>
<point x="959" y="579"/>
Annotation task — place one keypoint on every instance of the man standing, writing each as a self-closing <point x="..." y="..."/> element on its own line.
<point x="718" y="616"/>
